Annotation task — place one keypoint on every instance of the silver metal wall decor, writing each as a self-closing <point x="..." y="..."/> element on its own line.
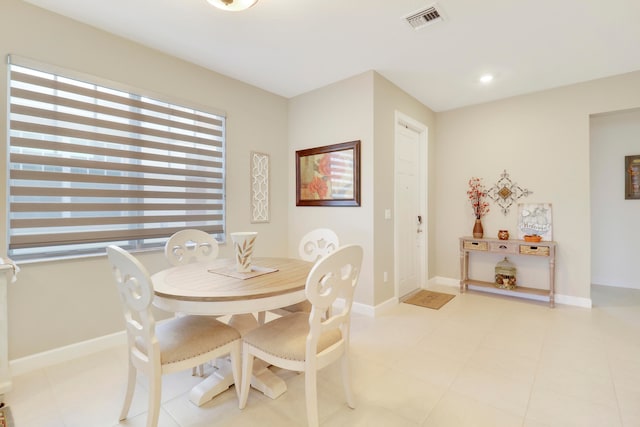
<point x="259" y="187"/>
<point x="505" y="192"/>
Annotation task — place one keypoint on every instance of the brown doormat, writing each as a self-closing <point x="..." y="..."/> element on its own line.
<point x="429" y="299"/>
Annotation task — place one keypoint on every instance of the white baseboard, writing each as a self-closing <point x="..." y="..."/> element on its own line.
<point x="385" y="306"/>
<point x="363" y="309"/>
<point x="368" y="310"/>
<point x="439" y="280"/>
<point x="63" y="354"/>
<point x="575" y="301"/>
<point x="601" y="282"/>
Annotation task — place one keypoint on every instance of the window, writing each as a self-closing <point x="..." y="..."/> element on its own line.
<point x="91" y="165"/>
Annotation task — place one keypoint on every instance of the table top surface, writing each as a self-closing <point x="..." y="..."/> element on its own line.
<point x="514" y="241"/>
<point x="210" y="280"/>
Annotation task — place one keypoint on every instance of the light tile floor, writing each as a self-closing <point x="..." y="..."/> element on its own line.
<point x="481" y="360"/>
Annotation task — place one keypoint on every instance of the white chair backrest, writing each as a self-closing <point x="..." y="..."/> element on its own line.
<point x="334" y="276"/>
<point x="317" y="244"/>
<point x="136" y="294"/>
<point x="191" y="245"/>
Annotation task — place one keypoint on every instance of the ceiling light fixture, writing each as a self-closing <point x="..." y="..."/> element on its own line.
<point x="486" y="78"/>
<point x="232" y="5"/>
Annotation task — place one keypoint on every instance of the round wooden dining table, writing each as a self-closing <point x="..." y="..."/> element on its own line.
<point x="217" y="288"/>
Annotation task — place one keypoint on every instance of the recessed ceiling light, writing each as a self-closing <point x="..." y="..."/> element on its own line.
<point x="486" y="78"/>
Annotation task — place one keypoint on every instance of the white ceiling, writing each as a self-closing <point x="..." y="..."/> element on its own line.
<point x="289" y="47"/>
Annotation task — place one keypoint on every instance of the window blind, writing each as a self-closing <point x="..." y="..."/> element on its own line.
<point x="91" y="165"/>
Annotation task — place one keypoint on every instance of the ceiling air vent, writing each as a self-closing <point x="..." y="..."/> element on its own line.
<point x="424" y="17"/>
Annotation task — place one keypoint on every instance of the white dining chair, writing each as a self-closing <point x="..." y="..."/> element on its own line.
<point x="307" y="342"/>
<point x="314" y="245"/>
<point x="161" y="348"/>
<point x="190" y="245"/>
<point x="317" y="244"/>
<point x="187" y="246"/>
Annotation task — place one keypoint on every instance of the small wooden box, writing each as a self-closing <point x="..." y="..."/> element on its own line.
<point x="534" y="250"/>
<point x="475" y="246"/>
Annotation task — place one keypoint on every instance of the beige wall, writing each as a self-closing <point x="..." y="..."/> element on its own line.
<point x="337" y="113"/>
<point x="542" y="140"/>
<point x="614" y="221"/>
<point x="388" y="99"/>
<point x="362" y="107"/>
<point x="59" y="303"/>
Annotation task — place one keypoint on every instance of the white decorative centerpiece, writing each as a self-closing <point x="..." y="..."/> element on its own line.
<point x="243" y="242"/>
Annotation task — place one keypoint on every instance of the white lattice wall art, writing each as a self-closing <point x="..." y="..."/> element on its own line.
<point x="259" y="187"/>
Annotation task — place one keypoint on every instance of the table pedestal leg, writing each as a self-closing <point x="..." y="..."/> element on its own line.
<point x="262" y="380"/>
<point x="214" y="384"/>
<point x="221" y="379"/>
<point x="266" y="381"/>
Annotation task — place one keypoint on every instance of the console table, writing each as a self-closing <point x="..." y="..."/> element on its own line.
<point x="547" y="250"/>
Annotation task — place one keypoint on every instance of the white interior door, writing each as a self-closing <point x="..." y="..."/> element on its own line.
<point x="410" y="197"/>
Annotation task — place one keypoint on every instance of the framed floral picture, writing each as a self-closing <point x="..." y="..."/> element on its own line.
<point x="329" y="175"/>
<point x="632" y="177"/>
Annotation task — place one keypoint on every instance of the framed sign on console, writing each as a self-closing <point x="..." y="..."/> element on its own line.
<point x="534" y="219"/>
<point x="329" y="175"/>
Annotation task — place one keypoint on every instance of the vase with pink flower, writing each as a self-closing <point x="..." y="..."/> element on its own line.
<point x="477" y="195"/>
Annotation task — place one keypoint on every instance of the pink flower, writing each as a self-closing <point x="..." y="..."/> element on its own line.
<point x="477" y="195"/>
<point x="324" y="165"/>
<point x="317" y="185"/>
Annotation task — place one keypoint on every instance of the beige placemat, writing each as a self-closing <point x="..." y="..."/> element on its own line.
<point x="231" y="271"/>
